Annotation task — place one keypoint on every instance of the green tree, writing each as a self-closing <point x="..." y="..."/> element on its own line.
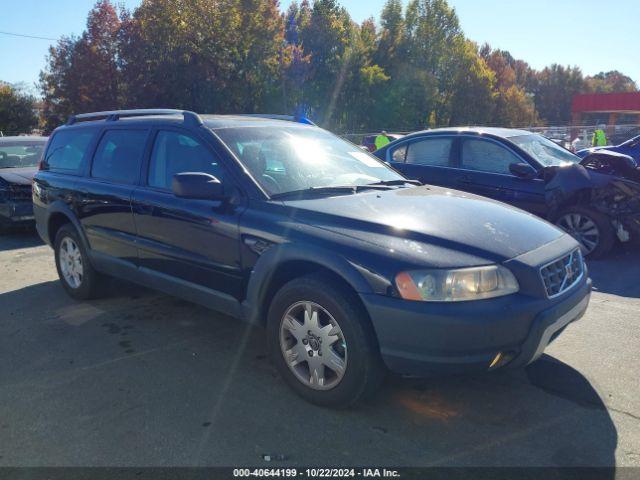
<point x="389" y="50"/>
<point x="471" y="97"/>
<point x="554" y="88"/>
<point x="296" y="64"/>
<point x="515" y="108"/>
<point x="423" y="80"/>
<point x="326" y="38"/>
<point x="17" y="110"/>
<point x="363" y="81"/>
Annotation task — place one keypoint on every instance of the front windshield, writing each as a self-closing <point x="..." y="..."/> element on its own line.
<point x="291" y="158"/>
<point x="20" y="154"/>
<point x="544" y="150"/>
<point x="632" y="142"/>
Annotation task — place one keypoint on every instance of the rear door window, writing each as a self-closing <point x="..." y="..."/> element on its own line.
<point x="433" y="152"/>
<point x="399" y="153"/>
<point x="67" y="150"/>
<point x="119" y="155"/>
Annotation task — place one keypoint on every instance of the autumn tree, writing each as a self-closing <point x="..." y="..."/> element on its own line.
<point x="514" y="106"/>
<point x="414" y="70"/>
<point x="609" y="82"/>
<point x="207" y="55"/>
<point x="82" y="73"/>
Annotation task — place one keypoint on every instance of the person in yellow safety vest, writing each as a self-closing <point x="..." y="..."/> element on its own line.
<point x="599" y="137"/>
<point x="381" y="140"/>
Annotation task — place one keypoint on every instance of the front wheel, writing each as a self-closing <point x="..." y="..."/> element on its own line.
<point x="591" y="229"/>
<point x="322" y="343"/>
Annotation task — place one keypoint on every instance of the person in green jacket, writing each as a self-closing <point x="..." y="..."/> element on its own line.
<point x="381" y="140"/>
<point x="599" y="137"/>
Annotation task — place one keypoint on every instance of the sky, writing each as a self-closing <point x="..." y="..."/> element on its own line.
<point x="595" y="35"/>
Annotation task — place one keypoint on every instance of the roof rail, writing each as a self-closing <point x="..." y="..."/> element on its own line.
<point x="190" y="118"/>
<point x="274" y="116"/>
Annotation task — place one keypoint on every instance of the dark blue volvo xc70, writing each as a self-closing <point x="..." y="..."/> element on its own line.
<point x="352" y="268"/>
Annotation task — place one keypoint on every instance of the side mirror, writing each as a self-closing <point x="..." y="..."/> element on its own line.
<point x="197" y="185"/>
<point x="522" y="170"/>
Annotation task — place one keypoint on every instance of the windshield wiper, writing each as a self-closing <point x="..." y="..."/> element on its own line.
<point x="338" y="189"/>
<point x="316" y="191"/>
<point x="395" y="182"/>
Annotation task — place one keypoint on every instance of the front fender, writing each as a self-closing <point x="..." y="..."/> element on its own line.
<point x="268" y="263"/>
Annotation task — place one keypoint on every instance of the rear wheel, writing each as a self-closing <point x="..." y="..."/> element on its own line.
<point x="322" y="344"/>
<point x="591" y="229"/>
<point x="77" y="276"/>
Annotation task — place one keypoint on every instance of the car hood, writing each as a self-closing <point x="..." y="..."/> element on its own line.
<point x="610" y="162"/>
<point x="422" y="219"/>
<point x="20" y="176"/>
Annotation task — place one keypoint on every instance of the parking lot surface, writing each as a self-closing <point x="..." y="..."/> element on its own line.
<point x="138" y="378"/>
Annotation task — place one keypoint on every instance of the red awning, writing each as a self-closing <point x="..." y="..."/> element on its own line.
<point x="606" y="102"/>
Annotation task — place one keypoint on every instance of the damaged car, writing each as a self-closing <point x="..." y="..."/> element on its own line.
<point x="19" y="157"/>
<point x="596" y="199"/>
<point x="630" y="147"/>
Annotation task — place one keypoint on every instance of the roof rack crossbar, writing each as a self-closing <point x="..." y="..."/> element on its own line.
<point x="190" y="118"/>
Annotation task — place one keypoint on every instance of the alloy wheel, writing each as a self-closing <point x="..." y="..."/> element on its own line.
<point x="582" y="228"/>
<point x="71" y="262"/>
<point x="313" y="345"/>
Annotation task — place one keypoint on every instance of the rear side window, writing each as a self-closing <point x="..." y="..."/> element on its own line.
<point x="119" y="155"/>
<point x="432" y="151"/>
<point x="67" y="149"/>
<point x="174" y="153"/>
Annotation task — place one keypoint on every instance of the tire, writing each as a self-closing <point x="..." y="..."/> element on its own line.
<point x="353" y="341"/>
<point x="85" y="283"/>
<point x="574" y="220"/>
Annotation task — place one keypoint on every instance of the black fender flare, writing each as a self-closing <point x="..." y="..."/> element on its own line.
<point x="277" y="255"/>
<point x="59" y="207"/>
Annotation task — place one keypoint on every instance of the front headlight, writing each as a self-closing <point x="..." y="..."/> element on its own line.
<point x="456" y="285"/>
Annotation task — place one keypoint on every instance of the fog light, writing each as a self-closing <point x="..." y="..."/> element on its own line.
<point x="501" y="359"/>
<point x="496" y="360"/>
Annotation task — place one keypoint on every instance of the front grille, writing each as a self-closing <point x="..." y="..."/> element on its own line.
<point x="19" y="192"/>
<point x="563" y="273"/>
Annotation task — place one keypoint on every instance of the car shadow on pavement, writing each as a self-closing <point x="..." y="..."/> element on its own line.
<point x="618" y="273"/>
<point x="19" y="238"/>
<point x="547" y="414"/>
<point x="139" y="378"/>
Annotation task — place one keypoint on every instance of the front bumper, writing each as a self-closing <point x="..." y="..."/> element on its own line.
<point x="422" y="339"/>
<point x="13" y="212"/>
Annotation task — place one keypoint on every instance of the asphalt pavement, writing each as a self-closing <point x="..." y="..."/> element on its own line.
<point x="139" y="378"/>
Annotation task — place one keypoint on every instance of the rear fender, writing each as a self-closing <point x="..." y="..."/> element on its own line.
<point x="58" y="207"/>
